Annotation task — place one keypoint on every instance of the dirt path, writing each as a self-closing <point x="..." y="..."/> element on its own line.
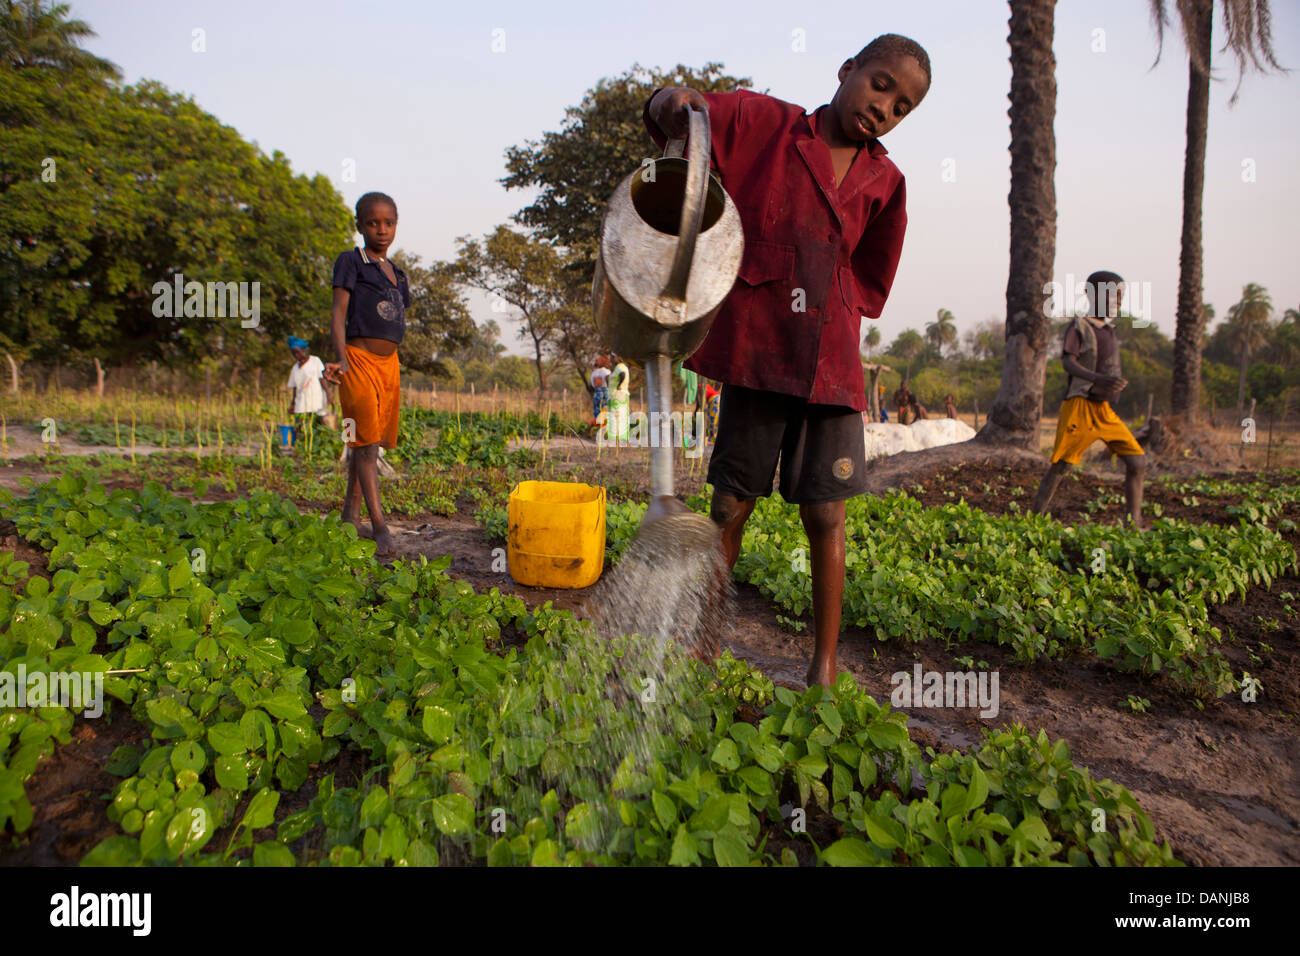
<point x="21" y="442"/>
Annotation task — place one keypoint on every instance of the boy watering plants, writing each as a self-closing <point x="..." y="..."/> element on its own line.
<point x="1090" y="355"/>
<point x="368" y="321"/>
<point x="823" y="211"/>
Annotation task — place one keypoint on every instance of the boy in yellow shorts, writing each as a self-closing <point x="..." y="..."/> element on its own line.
<point x="1090" y="355"/>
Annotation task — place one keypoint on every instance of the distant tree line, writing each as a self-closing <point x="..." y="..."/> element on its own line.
<point x="1251" y="354"/>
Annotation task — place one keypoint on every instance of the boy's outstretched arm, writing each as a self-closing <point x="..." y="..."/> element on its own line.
<point x="334" y="371"/>
<point x="1076" y="370"/>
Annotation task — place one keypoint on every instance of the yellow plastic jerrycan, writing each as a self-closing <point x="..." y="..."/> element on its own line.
<point x="556" y="536"/>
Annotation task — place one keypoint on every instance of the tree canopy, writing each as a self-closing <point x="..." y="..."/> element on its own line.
<point x="108" y="191"/>
<point x="601" y="140"/>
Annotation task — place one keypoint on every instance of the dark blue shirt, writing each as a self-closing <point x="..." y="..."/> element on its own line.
<point x="376" y="307"/>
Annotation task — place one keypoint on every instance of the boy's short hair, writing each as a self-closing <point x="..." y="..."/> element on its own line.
<point x="369" y="199"/>
<point x="890" y="43"/>
<point x="1101" y="280"/>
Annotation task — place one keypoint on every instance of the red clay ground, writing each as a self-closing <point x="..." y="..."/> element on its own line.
<point x="1220" y="784"/>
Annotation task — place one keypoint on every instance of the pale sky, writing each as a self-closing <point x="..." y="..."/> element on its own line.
<point x="414" y="93"/>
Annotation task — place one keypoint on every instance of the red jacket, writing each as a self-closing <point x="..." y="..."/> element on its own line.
<point x="839" y="245"/>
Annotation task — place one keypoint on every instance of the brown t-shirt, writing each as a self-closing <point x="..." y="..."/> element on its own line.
<point x="1106" y="349"/>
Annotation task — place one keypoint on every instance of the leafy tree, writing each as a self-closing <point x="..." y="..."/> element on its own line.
<point x="34" y="33"/>
<point x="106" y="192"/>
<point x="448" y="372"/>
<point x="1249" y="329"/>
<point x="477" y="372"/>
<point x="871" y="341"/>
<point x="513" y="372"/>
<point x="987" y="340"/>
<point x="1248" y="25"/>
<point x="483" y="345"/>
<point x="908" y="346"/>
<point x="942" y="332"/>
<point x="575" y="341"/>
<point x="1285" y="341"/>
<point x="601" y="140"/>
<point x="575" y="171"/>
<point x="438" y="323"/>
<point x="525" y="273"/>
<point x="931" y="385"/>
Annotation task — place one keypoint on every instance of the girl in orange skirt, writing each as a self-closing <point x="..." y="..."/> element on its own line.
<point x="371" y="296"/>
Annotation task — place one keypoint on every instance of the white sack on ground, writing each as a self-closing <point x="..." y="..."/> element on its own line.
<point x="933" y="432"/>
<point x="889" y="438"/>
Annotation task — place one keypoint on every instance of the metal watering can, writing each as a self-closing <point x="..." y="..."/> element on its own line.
<point x="670" y="248"/>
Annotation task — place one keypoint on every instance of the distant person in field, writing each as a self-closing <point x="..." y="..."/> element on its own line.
<point x="909" y="409"/>
<point x="371" y="296"/>
<point x="307" y="385"/>
<point x="1090" y="355"/>
<point x="950" y="406"/>
<point x="599" y="386"/>
<point x="713" y="403"/>
<point x="880" y="400"/>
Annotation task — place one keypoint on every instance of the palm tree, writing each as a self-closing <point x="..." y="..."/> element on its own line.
<point x="985" y="339"/>
<point x="908" y="346"/>
<point x="871" y="341"/>
<point x="1248" y="321"/>
<point x="1014" y="417"/>
<point x="1285" y="343"/>
<point x="1248" y="27"/>
<point x="35" y="34"/>
<point x="942" y="331"/>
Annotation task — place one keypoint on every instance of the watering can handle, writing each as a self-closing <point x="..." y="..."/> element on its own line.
<point x="697" y="181"/>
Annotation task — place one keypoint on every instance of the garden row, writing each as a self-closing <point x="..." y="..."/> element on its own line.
<point x="259" y="644"/>
<point x="1138" y="600"/>
<point x="953" y="573"/>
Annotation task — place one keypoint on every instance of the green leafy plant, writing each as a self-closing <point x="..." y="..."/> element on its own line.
<point x="488" y="733"/>
<point x="956" y="574"/>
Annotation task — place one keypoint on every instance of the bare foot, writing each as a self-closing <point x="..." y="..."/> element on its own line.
<point x="821" y="672"/>
<point x="383" y="544"/>
<point x="362" y="530"/>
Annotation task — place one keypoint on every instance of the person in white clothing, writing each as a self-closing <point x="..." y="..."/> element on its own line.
<point x="305" y="380"/>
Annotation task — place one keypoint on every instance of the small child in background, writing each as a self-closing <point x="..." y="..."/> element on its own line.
<point x="950" y="406"/>
<point x="1090" y="354"/>
<point x="909" y="408"/>
<point x="305" y="381"/>
<point x="713" y="402"/>
<point x="599" y="386"/>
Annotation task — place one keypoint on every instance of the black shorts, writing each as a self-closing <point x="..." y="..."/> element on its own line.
<point x="820" y="447"/>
